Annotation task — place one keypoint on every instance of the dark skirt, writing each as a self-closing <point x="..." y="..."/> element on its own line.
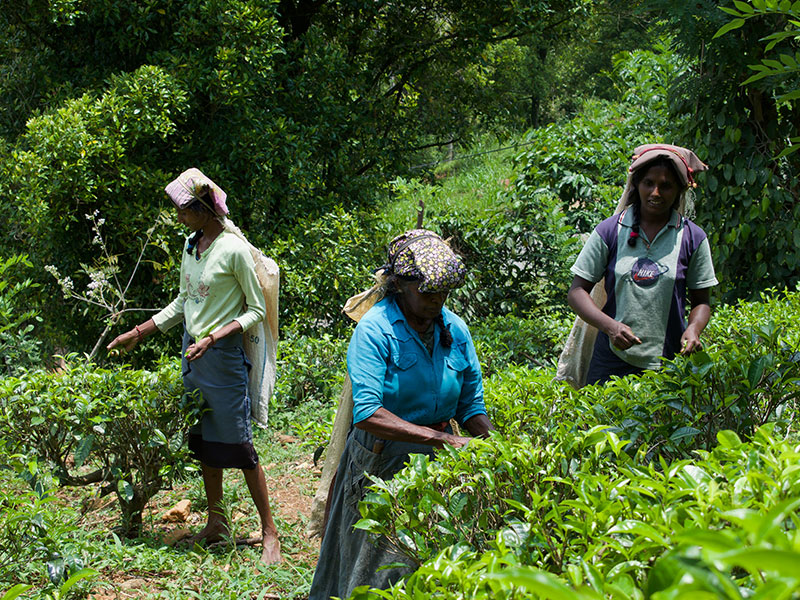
<point x="223" y="437"/>
<point x="351" y="557"/>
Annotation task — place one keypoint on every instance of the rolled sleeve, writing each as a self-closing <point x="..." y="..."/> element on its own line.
<point x="700" y="274"/>
<point x="367" y="358"/>
<point x="592" y="260"/>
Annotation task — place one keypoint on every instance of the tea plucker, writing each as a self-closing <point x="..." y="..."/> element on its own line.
<point x="652" y="257"/>
<point x="413" y="367"/>
<point x="219" y="299"/>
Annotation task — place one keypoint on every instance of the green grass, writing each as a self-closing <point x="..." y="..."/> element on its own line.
<point x="155" y="570"/>
<point x="478" y="184"/>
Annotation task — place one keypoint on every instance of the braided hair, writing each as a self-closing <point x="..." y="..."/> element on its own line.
<point x="199" y="206"/>
<point x="634" y="201"/>
<point x="445" y="337"/>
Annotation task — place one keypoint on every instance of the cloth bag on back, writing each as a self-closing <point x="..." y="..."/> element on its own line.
<point x="261" y="340"/>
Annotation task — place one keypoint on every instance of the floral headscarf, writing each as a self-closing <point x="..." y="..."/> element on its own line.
<point x="424" y="255"/>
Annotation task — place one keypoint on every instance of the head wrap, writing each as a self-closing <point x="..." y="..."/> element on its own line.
<point x="685" y="161"/>
<point x="424" y="255"/>
<point x="191" y="185"/>
<point x="416" y="254"/>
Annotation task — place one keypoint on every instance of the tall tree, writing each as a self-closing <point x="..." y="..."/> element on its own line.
<point x="750" y="196"/>
<point x="293" y="106"/>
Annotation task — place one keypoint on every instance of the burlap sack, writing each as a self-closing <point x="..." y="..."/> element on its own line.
<point x="261" y="340"/>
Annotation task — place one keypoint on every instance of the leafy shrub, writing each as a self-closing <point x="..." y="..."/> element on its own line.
<point x="515" y="257"/>
<point x="19" y="350"/>
<point x="98" y="151"/>
<point x="323" y="263"/>
<point x="311" y="372"/>
<point x="32" y="529"/>
<point x="601" y="521"/>
<point x="749" y="196"/>
<point x="121" y="428"/>
<point x="584" y="159"/>
<point x="508" y="339"/>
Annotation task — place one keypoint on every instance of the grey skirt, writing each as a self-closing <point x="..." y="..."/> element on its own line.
<point x="223" y="437"/>
<point x="351" y="557"/>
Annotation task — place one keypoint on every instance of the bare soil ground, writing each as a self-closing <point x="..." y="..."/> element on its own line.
<point x="291" y="480"/>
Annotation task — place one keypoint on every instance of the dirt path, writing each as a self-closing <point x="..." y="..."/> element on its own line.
<point x="291" y="479"/>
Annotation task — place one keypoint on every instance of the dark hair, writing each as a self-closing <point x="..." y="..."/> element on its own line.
<point x="198" y="207"/>
<point x="202" y="204"/>
<point x="634" y="201"/>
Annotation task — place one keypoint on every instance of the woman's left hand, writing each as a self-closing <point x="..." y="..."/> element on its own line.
<point x="690" y="341"/>
<point x="698" y="319"/>
<point x="198" y="349"/>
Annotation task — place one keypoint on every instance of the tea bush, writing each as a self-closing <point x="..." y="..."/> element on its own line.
<point x="508" y="339"/>
<point x="311" y="372"/>
<point x="584" y="159"/>
<point x="323" y="263"/>
<point x="603" y="522"/>
<point x="123" y="429"/>
<point x="19" y="349"/>
<point x="515" y="257"/>
<point x="679" y="483"/>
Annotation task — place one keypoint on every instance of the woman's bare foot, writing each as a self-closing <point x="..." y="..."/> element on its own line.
<point x="271" y="553"/>
<point x="211" y="533"/>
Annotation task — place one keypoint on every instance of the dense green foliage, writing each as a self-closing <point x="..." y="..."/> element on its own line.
<point x="326" y="122"/>
<point x="293" y="108"/>
<point x="741" y="131"/>
<point x="19" y="349"/>
<point x="638" y="488"/>
<point x="122" y="429"/>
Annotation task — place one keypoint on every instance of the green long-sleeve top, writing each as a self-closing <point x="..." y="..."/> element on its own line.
<point x="216" y="289"/>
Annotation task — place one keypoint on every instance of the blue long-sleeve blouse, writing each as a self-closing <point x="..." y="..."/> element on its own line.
<point x="390" y="367"/>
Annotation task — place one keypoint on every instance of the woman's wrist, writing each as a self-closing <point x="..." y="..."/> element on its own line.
<point x="212" y="338"/>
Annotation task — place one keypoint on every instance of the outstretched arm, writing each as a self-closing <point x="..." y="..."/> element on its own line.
<point x="388" y="426"/>
<point x="130" y="339"/>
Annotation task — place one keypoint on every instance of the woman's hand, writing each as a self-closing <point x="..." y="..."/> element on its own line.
<point x="198" y="349"/>
<point x="388" y="426"/>
<point x="580" y="300"/>
<point x="690" y="341"/>
<point x="127" y="340"/>
<point x="130" y="339"/>
<point x="698" y="319"/>
<point x="456" y="441"/>
<point x="622" y="336"/>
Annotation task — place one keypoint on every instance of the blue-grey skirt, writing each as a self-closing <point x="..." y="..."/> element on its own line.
<point x="223" y="437"/>
<point x="351" y="557"/>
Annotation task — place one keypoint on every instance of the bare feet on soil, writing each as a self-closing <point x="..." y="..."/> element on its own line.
<point x="271" y="553"/>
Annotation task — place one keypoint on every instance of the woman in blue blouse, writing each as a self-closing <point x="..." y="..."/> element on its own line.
<point x="413" y="367"/>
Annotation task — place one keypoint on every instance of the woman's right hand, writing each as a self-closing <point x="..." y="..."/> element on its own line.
<point x="127" y="340"/>
<point x="622" y="336"/>
<point x="456" y="441"/>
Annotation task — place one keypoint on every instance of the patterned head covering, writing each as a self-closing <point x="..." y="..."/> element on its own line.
<point x="424" y="255"/>
<point x="190" y="185"/>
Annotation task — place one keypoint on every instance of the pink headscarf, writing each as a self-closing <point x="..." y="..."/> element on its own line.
<point x="190" y="186"/>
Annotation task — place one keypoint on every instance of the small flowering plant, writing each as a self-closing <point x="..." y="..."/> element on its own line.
<point x="104" y="290"/>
